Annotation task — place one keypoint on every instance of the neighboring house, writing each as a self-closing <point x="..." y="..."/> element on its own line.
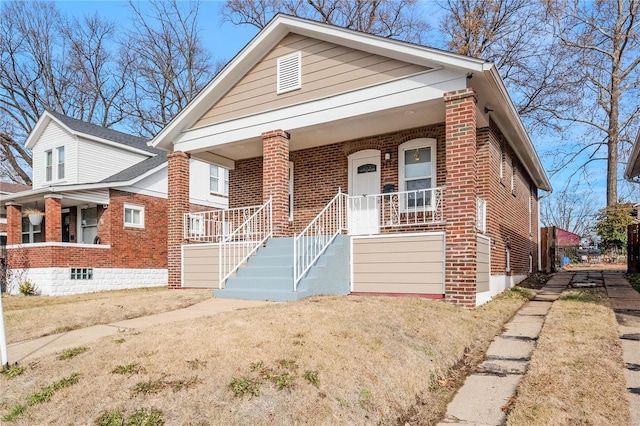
<point x="400" y="169"/>
<point x="632" y="173"/>
<point x="100" y="203"/>
<point x="559" y="247"/>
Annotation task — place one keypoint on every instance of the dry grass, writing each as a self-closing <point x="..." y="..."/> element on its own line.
<point x="324" y="360"/>
<point x="28" y="317"/>
<point x="576" y="373"/>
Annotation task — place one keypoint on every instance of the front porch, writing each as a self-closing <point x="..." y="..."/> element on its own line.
<point x="234" y="250"/>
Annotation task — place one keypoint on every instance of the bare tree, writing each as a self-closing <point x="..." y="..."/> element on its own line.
<point x="397" y="19"/>
<point x="48" y="62"/>
<point x="601" y="43"/>
<point x="511" y="34"/>
<point x="572" y="211"/>
<point x="168" y="61"/>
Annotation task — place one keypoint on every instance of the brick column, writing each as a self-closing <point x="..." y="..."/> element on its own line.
<point x="52" y="218"/>
<point x="177" y="206"/>
<point x="460" y="197"/>
<point x="275" y="178"/>
<point x="14" y="224"/>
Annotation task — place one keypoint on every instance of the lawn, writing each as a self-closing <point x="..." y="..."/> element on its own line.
<point x="576" y="374"/>
<point x="323" y="360"/>
<point x="28" y="317"/>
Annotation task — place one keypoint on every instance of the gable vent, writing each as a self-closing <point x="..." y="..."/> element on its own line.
<point x="289" y="73"/>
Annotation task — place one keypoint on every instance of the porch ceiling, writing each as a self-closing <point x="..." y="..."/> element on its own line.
<point x="380" y="122"/>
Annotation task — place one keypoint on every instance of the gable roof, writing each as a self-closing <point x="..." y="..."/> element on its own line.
<point x="138" y="169"/>
<point x="485" y="78"/>
<point x="89" y="131"/>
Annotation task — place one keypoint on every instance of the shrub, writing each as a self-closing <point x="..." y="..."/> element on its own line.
<point x="28" y="288"/>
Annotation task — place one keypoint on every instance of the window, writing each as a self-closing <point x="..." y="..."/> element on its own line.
<point x="289" y="73"/>
<point x="81" y="273"/>
<point x="31" y="233"/>
<point x="481" y="216"/>
<point x="51" y="173"/>
<point x="196" y="224"/>
<point x="218" y="180"/>
<point x="133" y="216"/>
<point x="501" y="163"/>
<point x="60" y="162"/>
<point x="417" y="172"/>
<point x="88" y="224"/>
<point x="507" y="253"/>
<point x="48" y="155"/>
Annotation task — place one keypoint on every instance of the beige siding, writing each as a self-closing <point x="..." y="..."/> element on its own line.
<point x="327" y="69"/>
<point x="409" y="264"/>
<point x="483" y="265"/>
<point x="53" y="137"/>
<point x="200" y="266"/>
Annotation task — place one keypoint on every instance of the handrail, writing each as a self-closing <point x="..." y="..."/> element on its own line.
<point x="213" y="225"/>
<point x="243" y="241"/>
<point x="398" y="209"/>
<point x="309" y="245"/>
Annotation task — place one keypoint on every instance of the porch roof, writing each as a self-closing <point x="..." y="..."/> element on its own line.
<point x="408" y="102"/>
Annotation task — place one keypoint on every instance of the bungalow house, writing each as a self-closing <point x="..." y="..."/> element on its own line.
<point x="95" y="217"/>
<point x="358" y="165"/>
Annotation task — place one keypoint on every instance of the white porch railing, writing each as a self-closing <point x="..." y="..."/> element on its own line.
<point x="244" y="240"/>
<point x="396" y="209"/>
<point x="316" y="237"/>
<point x="212" y="226"/>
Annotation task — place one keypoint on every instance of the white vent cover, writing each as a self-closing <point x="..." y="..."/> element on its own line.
<point x="289" y="72"/>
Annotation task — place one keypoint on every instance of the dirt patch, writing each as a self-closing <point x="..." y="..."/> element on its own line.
<point x="535" y="281"/>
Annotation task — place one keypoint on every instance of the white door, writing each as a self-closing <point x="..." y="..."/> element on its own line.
<point x="364" y="179"/>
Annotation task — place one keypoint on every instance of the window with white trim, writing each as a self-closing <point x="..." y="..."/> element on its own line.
<point x="31" y="233"/>
<point x="417" y="172"/>
<point x="218" y="180"/>
<point x="196" y="224"/>
<point x="507" y="253"/>
<point x="60" y="152"/>
<point x="54" y="161"/>
<point x="133" y="216"/>
<point x="289" y="73"/>
<point x="513" y="175"/>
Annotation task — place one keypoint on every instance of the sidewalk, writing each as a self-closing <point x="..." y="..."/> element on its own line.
<point x="626" y="304"/>
<point x="21" y="352"/>
<point x="480" y="400"/>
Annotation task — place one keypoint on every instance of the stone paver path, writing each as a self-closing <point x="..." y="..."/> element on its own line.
<point x="480" y="400"/>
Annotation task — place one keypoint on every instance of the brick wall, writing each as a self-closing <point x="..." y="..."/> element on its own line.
<point x="320" y="171"/>
<point x="275" y="184"/>
<point x="143" y="248"/>
<point x="508" y="215"/>
<point x="137" y="247"/>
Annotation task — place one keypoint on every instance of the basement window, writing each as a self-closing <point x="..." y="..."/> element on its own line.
<point x="289" y="73"/>
<point x="81" y="273"/>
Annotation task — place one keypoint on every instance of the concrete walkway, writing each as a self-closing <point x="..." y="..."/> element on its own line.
<point x="626" y="304"/>
<point x="21" y="352"/>
<point x="480" y="400"/>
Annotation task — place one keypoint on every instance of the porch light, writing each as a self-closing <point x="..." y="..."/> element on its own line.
<point x="416" y="155"/>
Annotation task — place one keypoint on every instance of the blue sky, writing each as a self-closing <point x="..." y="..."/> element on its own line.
<point x="225" y="40"/>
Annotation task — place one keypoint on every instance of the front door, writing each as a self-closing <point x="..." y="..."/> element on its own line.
<point x="364" y="181"/>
